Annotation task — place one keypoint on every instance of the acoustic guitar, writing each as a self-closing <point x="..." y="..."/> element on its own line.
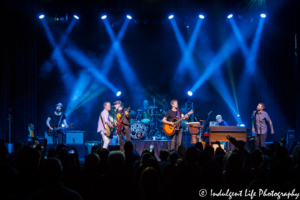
<point x="169" y="129"/>
<point x="55" y="129"/>
<point x="108" y="130"/>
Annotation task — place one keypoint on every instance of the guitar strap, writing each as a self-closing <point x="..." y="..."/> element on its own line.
<point x="59" y="122"/>
<point x="102" y="122"/>
<point x="102" y="119"/>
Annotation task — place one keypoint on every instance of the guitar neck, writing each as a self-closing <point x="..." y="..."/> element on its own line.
<point x="179" y="120"/>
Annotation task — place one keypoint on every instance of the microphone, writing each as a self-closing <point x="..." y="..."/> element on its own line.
<point x="210" y="112"/>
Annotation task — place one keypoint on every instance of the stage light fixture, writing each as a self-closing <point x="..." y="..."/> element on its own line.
<point x="129" y="17"/>
<point x="76" y="17"/>
<point x="41" y="16"/>
<point x="201" y="16"/>
<point x="103" y="17"/>
<point x="118" y="93"/>
<point x="230" y="16"/>
<point x="171" y="16"/>
<point x="238" y="115"/>
<point x="263" y="15"/>
<point x="242" y="125"/>
<point x="190" y="93"/>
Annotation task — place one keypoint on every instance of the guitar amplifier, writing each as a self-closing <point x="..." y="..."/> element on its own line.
<point x="76" y="137"/>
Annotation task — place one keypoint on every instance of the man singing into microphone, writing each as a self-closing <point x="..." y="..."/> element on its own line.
<point x="261" y="118"/>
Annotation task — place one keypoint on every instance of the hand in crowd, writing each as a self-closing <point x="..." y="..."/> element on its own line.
<point x="232" y="140"/>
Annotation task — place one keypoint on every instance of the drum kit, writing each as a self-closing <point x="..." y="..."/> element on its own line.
<point x="145" y="125"/>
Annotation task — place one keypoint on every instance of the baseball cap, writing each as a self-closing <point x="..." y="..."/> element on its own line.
<point x="117" y="102"/>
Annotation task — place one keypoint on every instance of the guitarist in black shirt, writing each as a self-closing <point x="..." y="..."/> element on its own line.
<point x="123" y="116"/>
<point x="175" y="112"/>
<point x="57" y="119"/>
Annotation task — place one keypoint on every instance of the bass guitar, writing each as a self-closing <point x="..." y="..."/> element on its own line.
<point x="55" y="129"/>
<point x="120" y="121"/>
<point x="169" y="129"/>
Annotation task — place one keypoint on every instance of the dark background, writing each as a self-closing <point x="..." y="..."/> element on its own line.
<point x="32" y="83"/>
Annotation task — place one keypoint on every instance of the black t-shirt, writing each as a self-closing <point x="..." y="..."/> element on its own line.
<point x="120" y="113"/>
<point x="174" y="114"/>
<point x="55" y="119"/>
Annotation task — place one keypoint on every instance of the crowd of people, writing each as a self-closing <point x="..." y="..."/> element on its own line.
<point x="32" y="173"/>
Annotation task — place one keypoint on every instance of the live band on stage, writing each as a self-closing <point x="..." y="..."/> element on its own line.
<point x="151" y="123"/>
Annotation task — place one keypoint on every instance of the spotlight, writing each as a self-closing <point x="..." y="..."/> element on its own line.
<point x="201" y="16"/>
<point x="230" y="16"/>
<point x="190" y="93"/>
<point x="242" y="125"/>
<point x="238" y="115"/>
<point x="76" y="17"/>
<point x="41" y="16"/>
<point x="118" y="93"/>
<point x="129" y="17"/>
<point x="263" y="15"/>
<point x="103" y="17"/>
<point x="171" y="16"/>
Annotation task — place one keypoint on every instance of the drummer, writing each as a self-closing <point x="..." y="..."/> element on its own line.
<point x="144" y="114"/>
<point x="145" y="107"/>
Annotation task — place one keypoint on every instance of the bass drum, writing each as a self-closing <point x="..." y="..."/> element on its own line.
<point x="138" y="130"/>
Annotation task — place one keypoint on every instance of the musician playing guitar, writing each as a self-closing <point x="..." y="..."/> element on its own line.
<point x="103" y="123"/>
<point x="122" y="116"/>
<point x="175" y="112"/>
<point x="57" y="119"/>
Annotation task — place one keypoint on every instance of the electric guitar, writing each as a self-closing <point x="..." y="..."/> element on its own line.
<point x="169" y="129"/>
<point x="120" y="121"/>
<point x="55" y="129"/>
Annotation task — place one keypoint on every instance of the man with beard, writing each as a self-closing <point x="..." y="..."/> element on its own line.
<point x="57" y="119"/>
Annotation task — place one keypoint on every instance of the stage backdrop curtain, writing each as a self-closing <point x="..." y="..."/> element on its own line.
<point x="18" y="75"/>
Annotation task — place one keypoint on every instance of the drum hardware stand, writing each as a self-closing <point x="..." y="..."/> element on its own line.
<point x="151" y="135"/>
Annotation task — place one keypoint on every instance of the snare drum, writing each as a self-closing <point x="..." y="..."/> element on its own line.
<point x="137" y="130"/>
<point x="145" y="118"/>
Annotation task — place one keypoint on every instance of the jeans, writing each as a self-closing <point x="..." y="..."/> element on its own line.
<point x="178" y="135"/>
<point x="262" y="137"/>
<point x="125" y="132"/>
<point x="59" y="138"/>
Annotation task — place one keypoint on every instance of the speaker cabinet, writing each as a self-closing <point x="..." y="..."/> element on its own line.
<point x="75" y="137"/>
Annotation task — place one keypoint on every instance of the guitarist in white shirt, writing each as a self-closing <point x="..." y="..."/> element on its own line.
<point x="175" y="112"/>
<point x="104" y="120"/>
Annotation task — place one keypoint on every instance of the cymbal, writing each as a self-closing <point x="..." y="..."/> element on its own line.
<point x="132" y="112"/>
<point x="153" y="107"/>
<point x="139" y="110"/>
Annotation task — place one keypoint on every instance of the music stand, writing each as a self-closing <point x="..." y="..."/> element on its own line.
<point x="194" y="128"/>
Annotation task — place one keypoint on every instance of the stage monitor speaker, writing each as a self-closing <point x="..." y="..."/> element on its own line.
<point x="75" y="137"/>
<point x="250" y="143"/>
